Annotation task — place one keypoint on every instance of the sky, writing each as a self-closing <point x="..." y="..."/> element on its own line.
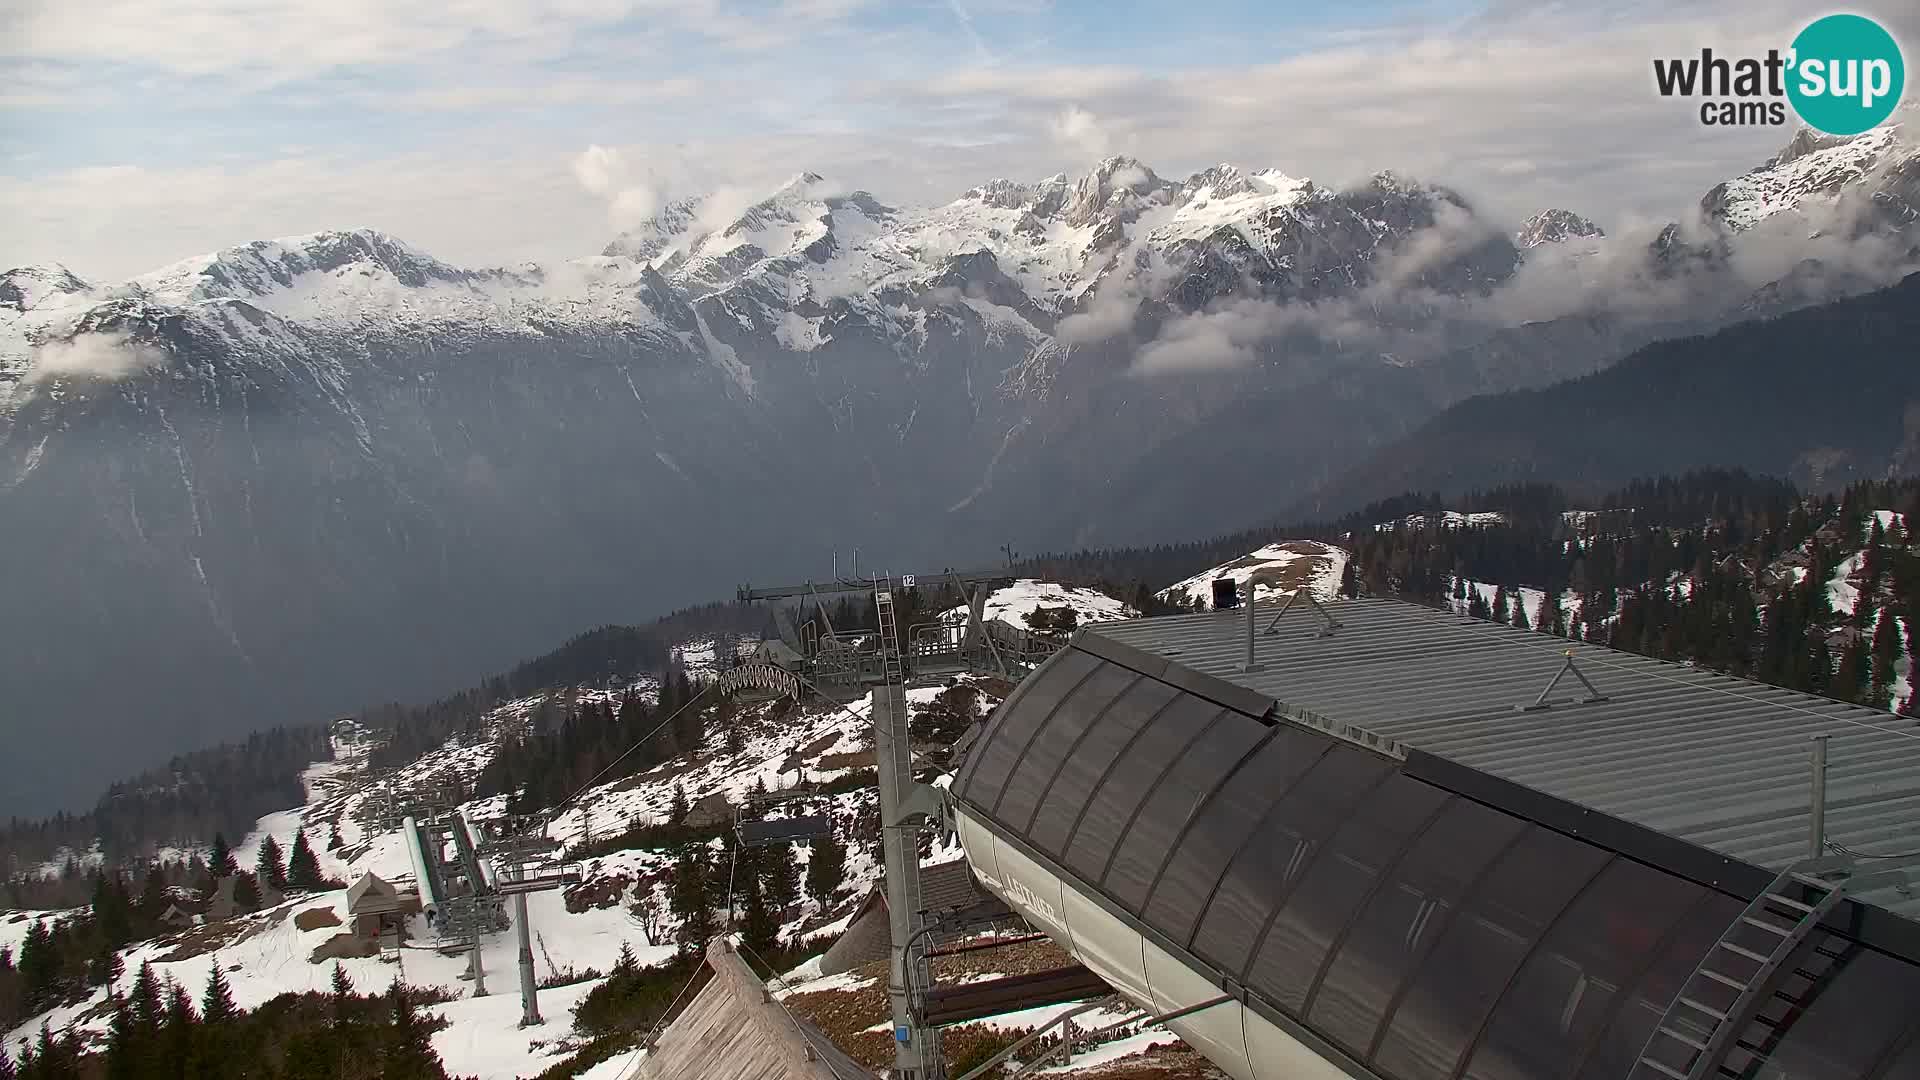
<point x="491" y="132"/>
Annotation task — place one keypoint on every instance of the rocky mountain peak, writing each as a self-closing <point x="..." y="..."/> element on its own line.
<point x="1553" y="226"/>
<point x="1811" y="165"/>
<point x="1221" y="181"/>
<point x="649" y="239"/>
<point x="1117" y="187"/>
<point x="26" y="287"/>
<point x="264" y="266"/>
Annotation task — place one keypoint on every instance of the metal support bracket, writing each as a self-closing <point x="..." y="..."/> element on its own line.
<point x="1331" y="624"/>
<point x="1594" y="696"/>
<point x="919" y="800"/>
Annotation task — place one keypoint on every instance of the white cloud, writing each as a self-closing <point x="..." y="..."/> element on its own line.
<point x="107" y="355"/>
<point x="1535" y="106"/>
<point x="1217" y="340"/>
<point x="606" y="173"/>
<point x="1081" y="129"/>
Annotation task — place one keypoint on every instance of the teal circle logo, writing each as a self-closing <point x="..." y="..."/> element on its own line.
<point x="1846" y="74"/>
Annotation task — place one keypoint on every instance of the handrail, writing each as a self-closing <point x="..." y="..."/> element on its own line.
<point x="1150" y="1021"/>
<point x="992" y="1062"/>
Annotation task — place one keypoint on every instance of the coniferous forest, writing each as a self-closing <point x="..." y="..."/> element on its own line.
<point x="1717" y="567"/>
<point x="161" y="1030"/>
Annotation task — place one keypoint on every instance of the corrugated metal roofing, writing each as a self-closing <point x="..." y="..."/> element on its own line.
<point x="1714" y="760"/>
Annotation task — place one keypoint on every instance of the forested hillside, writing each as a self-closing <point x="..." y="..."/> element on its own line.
<point x="187" y="801"/>
<point x="1737" y="571"/>
<point x="1824" y="396"/>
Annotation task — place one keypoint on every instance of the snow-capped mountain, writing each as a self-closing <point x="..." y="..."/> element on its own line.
<point x="26" y="287"/>
<point x="1552" y="227"/>
<point x="307" y="473"/>
<point x="1881" y="164"/>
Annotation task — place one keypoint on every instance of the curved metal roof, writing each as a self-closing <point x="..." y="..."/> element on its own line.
<point x="1416" y="914"/>
<point x="1719" y="762"/>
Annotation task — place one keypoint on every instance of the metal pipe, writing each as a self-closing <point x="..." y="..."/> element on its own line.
<point x="1250" y="665"/>
<point x="988" y="1065"/>
<point x="474" y="964"/>
<point x="1094" y="1036"/>
<point x="1817" y="816"/>
<point x="529" y="986"/>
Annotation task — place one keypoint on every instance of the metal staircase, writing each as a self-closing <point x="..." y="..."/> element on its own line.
<point x="1742" y="981"/>
<point x="890" y="671"/>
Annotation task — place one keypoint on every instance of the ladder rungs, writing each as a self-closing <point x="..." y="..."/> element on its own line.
<point x="1808" y="879"/>
<point x="1662" y="1069"/>
<point x="1788" y="901"/>
<point x="1683" y="1037"/>
<point x="1723" y="980"/>
<point x="1738" y="951"/>
<point x="1708" y="1009"/>
<point x="1764" y="925"/>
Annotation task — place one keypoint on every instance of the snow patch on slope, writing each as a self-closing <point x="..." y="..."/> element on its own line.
<point x="1809" y="168"/>
<point x="1013" y="603"/>
<point x="1306" y="564"/>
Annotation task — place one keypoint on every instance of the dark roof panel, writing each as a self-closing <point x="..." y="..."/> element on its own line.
<point x="1706" y="758"/>
<point x="1383" y="845"/>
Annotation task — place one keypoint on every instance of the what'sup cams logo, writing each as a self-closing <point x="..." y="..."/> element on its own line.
<point x="1843" y="74"/>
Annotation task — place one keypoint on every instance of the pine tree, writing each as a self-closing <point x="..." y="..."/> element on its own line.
<point x="179" y="1038"/>
<point x="246" y="894"/>
<point x="153" y="893"/>
<point x="333" y="838"/>
<point x="782" y="871"/>
<point x="1819" y="666"/>
<point x="1886" y="652"/>
<point x="145" y="999"/>
<point x="409" y="1056"/>
<point x="221" y="862"/>
<point x="687" y="899"/>
<point x="124" y="1052"/>
<point x="303" y="867"/>
<point x="269" y="869"/>
<point x="52" y="1063"/>
<point x="216" y="1005"/>
<point x="6" y="1063"/>
<point x="1477" y="606"/>
<point x="826" y="869"/>
<point x="1520" y="611"/>
<point x="1349" y="582"/>
<point x="758" y="930"/>
<point x="1851" y="681"/>
<point x="112" y="910"/>
<point x="1500" y="603"/>
<point x="626" y="963"/>
<point x="40" y="964"/>
<point x="678" y="809"/>
<point x="199" y="878"/>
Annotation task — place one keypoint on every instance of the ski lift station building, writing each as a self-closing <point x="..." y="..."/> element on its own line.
<point x="1382" y="841"/>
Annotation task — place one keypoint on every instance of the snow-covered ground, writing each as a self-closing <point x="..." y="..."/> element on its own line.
<point x="1569" y="603"/>
<point x="15" y="925"/>
<point x="1299" y="564"/>
<point x="1014" y="603"/>
<point x="266" y="954"/>
<point x="1446" y="519"/>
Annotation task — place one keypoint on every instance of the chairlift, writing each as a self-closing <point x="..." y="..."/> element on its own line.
<point x="793" y="830"/>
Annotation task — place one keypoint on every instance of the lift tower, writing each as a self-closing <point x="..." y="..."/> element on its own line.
<point x="833" y="662"/>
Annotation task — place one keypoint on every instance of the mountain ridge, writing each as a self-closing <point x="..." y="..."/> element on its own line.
<point x="300" y="476"/>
